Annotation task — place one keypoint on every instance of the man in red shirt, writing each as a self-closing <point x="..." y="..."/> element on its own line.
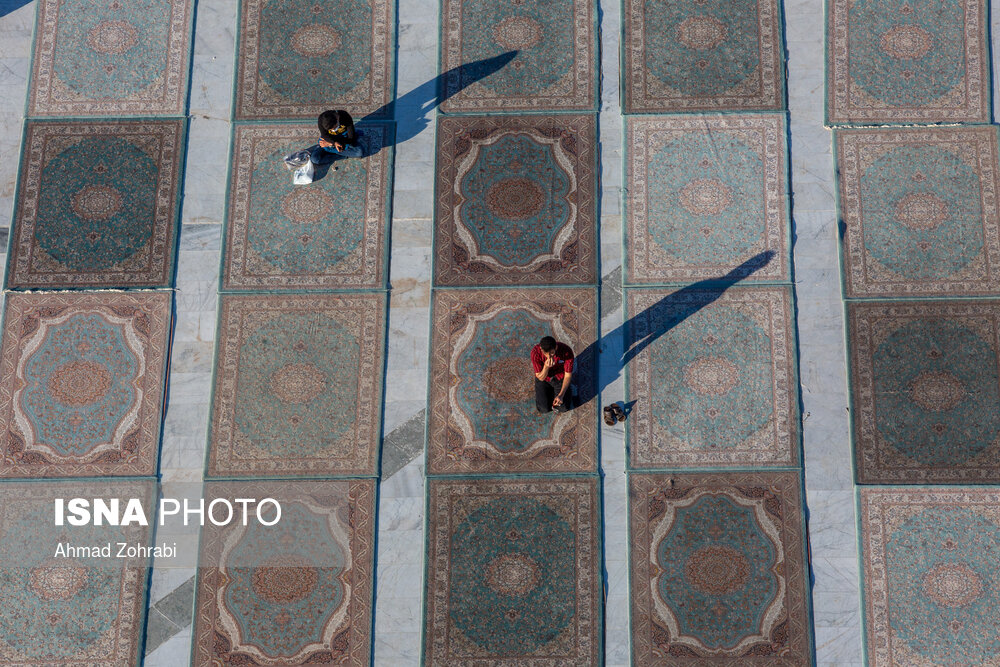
<point x="553" y="366"/>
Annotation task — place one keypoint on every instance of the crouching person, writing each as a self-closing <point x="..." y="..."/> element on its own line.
<point x="553" y="365"/>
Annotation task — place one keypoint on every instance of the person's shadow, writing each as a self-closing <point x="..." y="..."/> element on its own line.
<point x="410" y="111"/>
<point x="11" y="6"/>
<point x="663" y="316"/>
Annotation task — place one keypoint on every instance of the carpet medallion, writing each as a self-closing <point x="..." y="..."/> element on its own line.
<point x="295" y="593"/>
<point x="482" y="401"/>
<point x="72" y="609"/>
<point x="97" y="205"/>
<point x="298" y="58"/>
<point x="925" y="391"/>
<point x="697" y="55"/>
<point x="554" y="68"/>
<point x="931" y="584"/>
<point x="714" y="376"/>
<point x="921" y="211"/>
<point x="516" y="200"/>
<point x="513" y="572"/>
<point x="718" y="569"/>
<point x="706" y="194"/>
<point x="298" y="385"/>
<point x="919" y="61"/>
<point x="329" y="234"/>
<point x="81" y="383"/>
<point x="118" y="58"/>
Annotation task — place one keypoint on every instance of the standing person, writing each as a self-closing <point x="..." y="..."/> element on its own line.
<point x="338" y="138"/>
<point x="553" y="365"/>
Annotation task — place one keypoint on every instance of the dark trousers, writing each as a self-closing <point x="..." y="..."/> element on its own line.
<point x="545" y="393"/>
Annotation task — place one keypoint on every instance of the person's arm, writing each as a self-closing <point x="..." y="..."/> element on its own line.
<point x="546" y="366"/>
<point x="562" y="391"/>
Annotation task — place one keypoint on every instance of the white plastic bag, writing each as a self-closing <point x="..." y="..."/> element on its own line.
<point x="304" y="174"/>
<point x="297" y="159"/>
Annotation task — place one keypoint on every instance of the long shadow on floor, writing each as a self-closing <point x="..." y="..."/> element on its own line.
<point x="679" y="309"/>
<point x="410" y="111"/>
<point x="10" y="6"/>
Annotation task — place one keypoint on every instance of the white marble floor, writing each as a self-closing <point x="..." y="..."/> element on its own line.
<point x="829" y="484"/>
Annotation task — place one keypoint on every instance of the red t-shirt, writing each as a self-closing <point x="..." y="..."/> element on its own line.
<point x="563" y="358"/>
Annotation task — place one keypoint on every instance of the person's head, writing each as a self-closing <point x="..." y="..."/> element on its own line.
<point x="548" y="345"/>
<point x="329" y="120"/>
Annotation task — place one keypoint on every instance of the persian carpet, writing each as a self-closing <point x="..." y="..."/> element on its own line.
<point x="920" y="205"/>
<point x="513" y="572"/>
<point x="705" y="195"/>
<point x="516" y="200"/>
<point x="718" y="569"/>
<point x="482" y="398"/>
<point x="714" y="376"/>
<point x="554" y="68"/>
<point x="925" y="391"/>
<point x="81" y="383"/>
<point x="295" y="593"/>
<point x="330" y="234"/>
<point x="119" y="58"/>
<point x="921" y="61"/>
<point x="931" y="585"/>
<point x="297" y="58"/>
<point x="298" y="385"/>
<point x="702" y="54"/>
<point x="97" y="205"/>
<point x="72" y="609"/>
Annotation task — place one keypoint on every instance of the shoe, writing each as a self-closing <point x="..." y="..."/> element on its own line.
<point x="609" y="416"/>
<point x="618" y="412"/>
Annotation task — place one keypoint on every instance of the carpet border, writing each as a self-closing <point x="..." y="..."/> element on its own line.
<point x="174" y="221"/>
<point x="796" y="444"/>
<point x="378" y="424"/>
<point x="392" y="74"/>
<point x="798" y="484"/>
<point x="186" y="73"/>
<point x="787" y="194"/>
<point x="231" y="175"/>
<point x="781" y="53"/>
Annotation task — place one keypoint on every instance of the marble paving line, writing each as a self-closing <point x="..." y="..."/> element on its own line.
<point x="822" y="351"/>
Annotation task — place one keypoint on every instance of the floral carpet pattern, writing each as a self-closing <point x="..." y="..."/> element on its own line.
<point x="705" y="195"/>
<point x="75" y="609"/>
<point x="516" y="200"/>
<point x="714" y="376"/>
<point x="298" y="58"/>
<point x="920" y="207"/>
<point x="117" y="58"/>
<point x="931" y="581"/>
<point x="81" y="383"/>
<point x="97" y="205"/>
<point x="921" y="61"/>
<point x="925" y="391"/>
<point x="482" y="403"/>
<point x="298" y="385"/>
<point x="330" y="234"/>
<point x="513" y="572"/>
<point x="555" y="63"/>
<point x="298" y="592"/>
<point x="702" y="55"/>
<point x="718" y="569"/>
